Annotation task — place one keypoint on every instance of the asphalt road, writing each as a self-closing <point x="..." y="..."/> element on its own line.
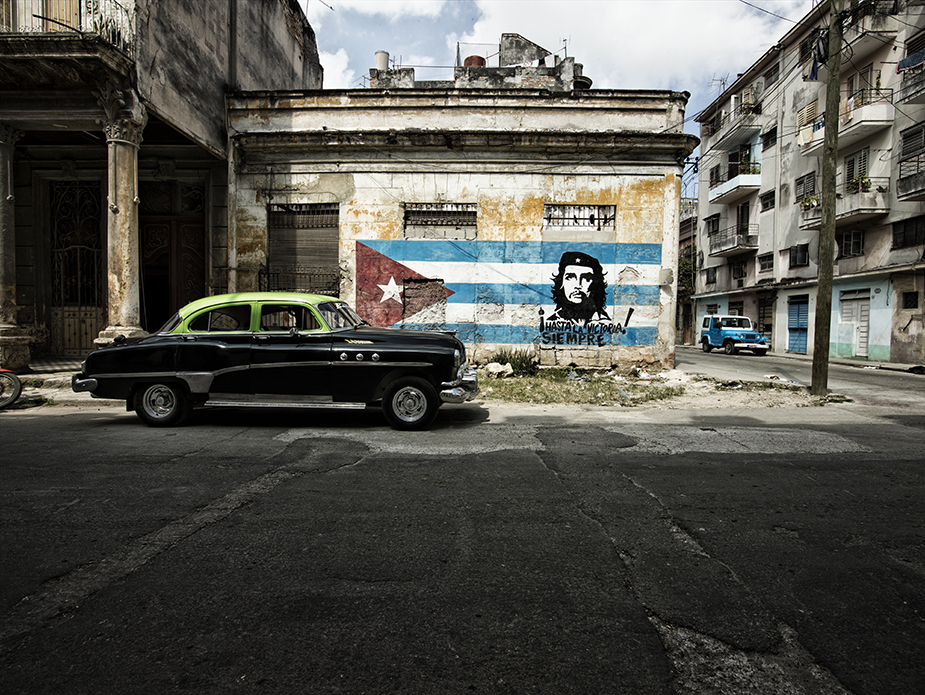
<point x="508" y="550"/>
<point x="874" y="386"/>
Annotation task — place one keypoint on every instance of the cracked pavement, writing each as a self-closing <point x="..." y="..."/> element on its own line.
<point x="529" y="550"/>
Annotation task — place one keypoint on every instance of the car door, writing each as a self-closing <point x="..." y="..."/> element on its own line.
<point x="716" y="331"/>
<point x="291" y="353"/>
<point x="213" y="355"/>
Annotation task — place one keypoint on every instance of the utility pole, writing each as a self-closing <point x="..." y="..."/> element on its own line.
<point x="823" y="326"/>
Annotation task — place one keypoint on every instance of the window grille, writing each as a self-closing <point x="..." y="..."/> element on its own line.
<point x="595" y="217"/>
<point x="441" y="214"/>
<point x="910" y="300"/>
<point x="712" y="308"/>
<point x="303" y="215"/>
<point x="910" y="232"/>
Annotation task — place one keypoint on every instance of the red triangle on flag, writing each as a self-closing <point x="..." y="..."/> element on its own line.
<point x="381" y="285"/>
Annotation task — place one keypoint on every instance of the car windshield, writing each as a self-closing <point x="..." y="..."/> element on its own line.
<point x="737" y="322"/>
<point x="172" y="323"/>
<point x="339" y="315"/>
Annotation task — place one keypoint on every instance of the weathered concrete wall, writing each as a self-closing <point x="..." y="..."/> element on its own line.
<point x="529" y="172"/>
<point x="191" y="52"/>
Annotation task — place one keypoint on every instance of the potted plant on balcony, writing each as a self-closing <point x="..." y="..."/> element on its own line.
<point x="858" y="183"/>
<point x="809" y="202"/>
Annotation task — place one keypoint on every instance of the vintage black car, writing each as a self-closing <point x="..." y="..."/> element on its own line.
<point x="275" y="349"/>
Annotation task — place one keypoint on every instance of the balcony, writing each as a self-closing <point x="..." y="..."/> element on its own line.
<point x="872" y="25"/>
<point x="734" y="128"/>
<point x="910" y="184"/>
<point x="735" y="240"/>
<point x="111" y="20"/>
<point x="864" y="113"/>
<point x="736" y="181"/>
<point x="913" y="89"/>
<point x="855" y="201"/>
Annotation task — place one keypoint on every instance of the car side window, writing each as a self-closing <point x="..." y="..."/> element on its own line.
<point x="227" y="318"/>
<point x="284" y="317"/>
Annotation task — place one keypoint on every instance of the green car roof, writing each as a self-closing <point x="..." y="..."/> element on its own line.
<point x="221" y="299"/>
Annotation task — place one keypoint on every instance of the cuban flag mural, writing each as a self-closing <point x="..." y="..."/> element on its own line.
<point x="513" y="292"/>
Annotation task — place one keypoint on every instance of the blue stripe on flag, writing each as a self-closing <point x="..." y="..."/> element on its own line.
<point x="504" y="293"/>
<point x="474" y="251"/>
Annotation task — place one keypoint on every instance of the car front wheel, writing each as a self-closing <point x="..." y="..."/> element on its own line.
<point x="410" y="403"/>
<point x="729" y="347"/>
<point x="161" y="405"/>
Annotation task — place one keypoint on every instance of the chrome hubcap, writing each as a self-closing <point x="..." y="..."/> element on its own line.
<point x="410" y="404"/>
<point x="159" y="401"/>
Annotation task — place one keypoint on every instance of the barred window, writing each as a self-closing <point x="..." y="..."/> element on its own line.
<point x="910" y="300"/>
<point x="712" y="309"/>
<point x="441" y="220"/>
<point x="303" y="215"/>
<point x="766" y="262"/>
<point x="594" y="217"/>
<point x="441" y="214"/>
<point x="909" y="232"/>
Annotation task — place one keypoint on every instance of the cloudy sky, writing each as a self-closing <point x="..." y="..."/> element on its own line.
<point x="685" y="45"/>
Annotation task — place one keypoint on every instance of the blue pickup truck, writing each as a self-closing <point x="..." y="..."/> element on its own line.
<point x="731" y="333"/>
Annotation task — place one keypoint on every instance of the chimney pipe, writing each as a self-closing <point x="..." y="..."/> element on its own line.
<point x="382" y="61"/>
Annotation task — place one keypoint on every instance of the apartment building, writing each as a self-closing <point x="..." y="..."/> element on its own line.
<point x="760" y="185"/>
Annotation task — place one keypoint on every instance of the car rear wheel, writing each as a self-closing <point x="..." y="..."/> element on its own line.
<point x="162" y="405"/>
<point x="729" y="347"/>
<point x="410" y="403"/>
<point x="706" y="345"/>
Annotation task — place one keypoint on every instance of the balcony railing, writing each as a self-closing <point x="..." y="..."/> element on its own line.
<point x="733" y="170"/>
<point x="112" y="20"/>
<point x="738" y="238"/>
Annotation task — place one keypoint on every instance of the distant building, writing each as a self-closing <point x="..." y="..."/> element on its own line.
<point x="687" y="266"/>
<point x="511" y="204"/>
<point x="760" y="182"/>
<point x="113" y="167"/>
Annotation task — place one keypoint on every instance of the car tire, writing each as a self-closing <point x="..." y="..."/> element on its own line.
<point x="760" y="353"/>
<point x="410" y="403"/>
<point x="161" y="405"/>
<point x="706" y="345"/>
<point x="729" y="347"/>
<point x="10" y="388"/>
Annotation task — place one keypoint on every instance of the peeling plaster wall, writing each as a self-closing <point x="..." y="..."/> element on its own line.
<point x="492" y="285"/>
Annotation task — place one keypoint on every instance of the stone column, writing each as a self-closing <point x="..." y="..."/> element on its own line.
<point x="123" y="127"/>
<point x="14" y="341"/>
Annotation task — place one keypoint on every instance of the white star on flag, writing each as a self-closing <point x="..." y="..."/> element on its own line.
<point x="391" y="291"/>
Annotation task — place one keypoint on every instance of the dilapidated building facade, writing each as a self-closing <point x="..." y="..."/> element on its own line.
<point x="511" y="204"/>
<point x="761" y="178"/>
<point x="113" y="166"/>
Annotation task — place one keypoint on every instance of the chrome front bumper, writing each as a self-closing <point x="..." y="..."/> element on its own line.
<point x="79" y="384"/>
<point x="464" y="388"/>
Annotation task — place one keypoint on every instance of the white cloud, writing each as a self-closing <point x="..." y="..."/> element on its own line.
<point x="336" y="73"/>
